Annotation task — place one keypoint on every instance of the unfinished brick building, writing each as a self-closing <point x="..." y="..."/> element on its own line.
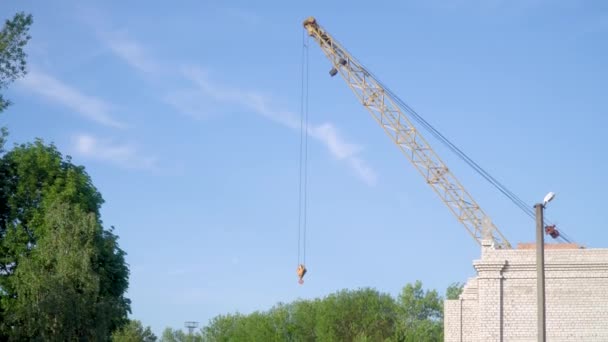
<point x="499" y="304"/>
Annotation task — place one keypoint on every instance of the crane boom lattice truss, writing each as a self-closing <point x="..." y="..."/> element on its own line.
<point x="391" y="117"/>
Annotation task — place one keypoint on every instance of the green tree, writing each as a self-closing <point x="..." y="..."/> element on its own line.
<point x="349" y="315"/>
<point x="421" y="314"/>
<point x="13" y="38"/>
<point x="304" y="319"/>
<point x="220" y="328"/>
<point x="346" y="315"/>
<point x="55" y="276"/>
<point x="54" y="250"/>
<point x="134" y="332"/>
<point x="281" y="322"/>
<point x="454" y="290"/>
<point x="257" y="326"/>
<point x="170" y="335"/>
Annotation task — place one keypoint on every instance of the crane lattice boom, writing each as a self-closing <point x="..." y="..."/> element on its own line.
<point x="383" y="107"/>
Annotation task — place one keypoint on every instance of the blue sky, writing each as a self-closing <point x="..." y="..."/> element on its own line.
<point x="186" y="116"/>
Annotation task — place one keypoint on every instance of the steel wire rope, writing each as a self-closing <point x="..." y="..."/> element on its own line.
<point x="305" y="150"/>
<point x="300" y="152"/>
<point x="303" y="155"/>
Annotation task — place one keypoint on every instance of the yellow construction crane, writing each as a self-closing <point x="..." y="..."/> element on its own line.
<point x="385" y="108"/>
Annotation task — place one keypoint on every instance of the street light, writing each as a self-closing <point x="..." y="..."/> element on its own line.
<point x="540" y="266"/>
<point x="550" y="196"/>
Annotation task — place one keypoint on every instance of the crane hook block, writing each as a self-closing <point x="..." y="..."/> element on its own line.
<point x="301" y="272"/>
<point x="309" y="21"/>
<point x="552" y="231"/>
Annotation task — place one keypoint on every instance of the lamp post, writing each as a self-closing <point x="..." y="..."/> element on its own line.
<point x="540" y="266"/>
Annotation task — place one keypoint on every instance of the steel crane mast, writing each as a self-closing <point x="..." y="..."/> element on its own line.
<point x="385" y="110"/>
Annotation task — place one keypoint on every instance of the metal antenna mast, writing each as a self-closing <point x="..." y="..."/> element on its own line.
<point x="191" y="325"/>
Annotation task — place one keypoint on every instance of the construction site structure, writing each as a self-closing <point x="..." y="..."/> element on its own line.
<point x="500" y="302"/>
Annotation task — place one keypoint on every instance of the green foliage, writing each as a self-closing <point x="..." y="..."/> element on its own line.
<point x="423" y="331"/>
<point x="170" y="335"/>
<point x="3" y="136"/>
<point x="222" y="328"/>
<point x="349" y="315"/>
<point x="57" y="275"/>
<point x="421" y="317"/>
<point x="13" y="38"/>
<point x="346" y="315"/>
<point x="254" y="327"/>
<point x="62" y="275"/>
<point x="134" y="332"/>
<point x="304" y="319"/>
<point x="54" y="252"/>
<point x="418" y="304"/>
<point x="454" y="290"/>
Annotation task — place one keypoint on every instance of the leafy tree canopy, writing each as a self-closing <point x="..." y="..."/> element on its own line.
<point x="348" y="315"/>
<point x="54" y="252"/>
<point x="13" y="38"/>
<point x="170" y="335"/>
<point x="454" y="291"/>
<point x="134" y="332"/>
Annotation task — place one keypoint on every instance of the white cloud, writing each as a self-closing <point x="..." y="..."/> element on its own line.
<point x="364" y="171"/>
<point x="91" y="107"/>
<point x="131" y="52"/>
<point x="124" y="155"/>
<point x="326" y="133"/>
<point x="196" y="101"/>
<point x="188" y="102"/>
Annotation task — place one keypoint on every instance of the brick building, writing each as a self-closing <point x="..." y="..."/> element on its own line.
<point x="499" y="304"/>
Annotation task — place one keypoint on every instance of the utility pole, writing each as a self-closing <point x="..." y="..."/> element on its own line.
<point x="540" y="270"/>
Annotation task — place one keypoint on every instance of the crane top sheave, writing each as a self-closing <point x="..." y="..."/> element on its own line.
<point x="390" y="113"/>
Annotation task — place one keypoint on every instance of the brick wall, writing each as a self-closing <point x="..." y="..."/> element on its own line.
<point x="499" y="304"/>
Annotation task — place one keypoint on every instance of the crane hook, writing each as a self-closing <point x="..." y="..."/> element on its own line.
<point x="301" y="272"/>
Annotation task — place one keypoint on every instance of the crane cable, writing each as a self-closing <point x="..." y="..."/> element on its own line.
<point x="303" y="162"/>
<point x="528" y="210"/>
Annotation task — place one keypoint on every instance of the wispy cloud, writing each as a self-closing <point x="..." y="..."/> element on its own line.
<point x="90" y="107"/>
<point x="190" y="103"/>
<point x="202" y="94"/>
<point x="326" y="133"/>
<point x="130" y="51"/>
<point x="124" y="155"/>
